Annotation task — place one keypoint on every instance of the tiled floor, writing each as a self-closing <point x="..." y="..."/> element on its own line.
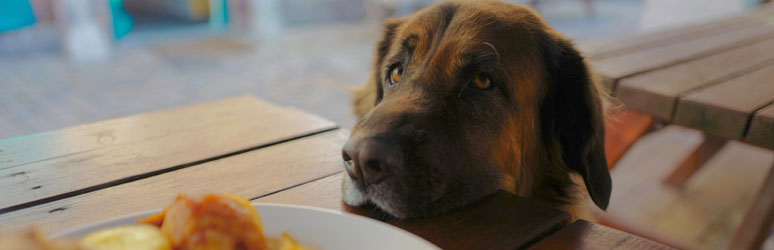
<point x="313" y="67"/>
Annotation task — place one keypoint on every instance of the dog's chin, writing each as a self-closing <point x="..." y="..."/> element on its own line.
<point x="401" y="205"/>
<point x="351" y="194"/>
<point x="388" y="200"/>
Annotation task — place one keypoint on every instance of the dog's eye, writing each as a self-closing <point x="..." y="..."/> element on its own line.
<point x="482" y="81"/>
<point x="396" y="71"/>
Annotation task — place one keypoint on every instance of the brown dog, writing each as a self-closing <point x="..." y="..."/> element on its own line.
<point x="469" y="97"/>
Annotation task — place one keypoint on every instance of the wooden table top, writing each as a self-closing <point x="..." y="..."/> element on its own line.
<point x="716" y="77"/>
<point x="245" y="146"/>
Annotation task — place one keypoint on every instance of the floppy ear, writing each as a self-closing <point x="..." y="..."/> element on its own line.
<point x="371" y="93"/>
<point x="572" y="114"/>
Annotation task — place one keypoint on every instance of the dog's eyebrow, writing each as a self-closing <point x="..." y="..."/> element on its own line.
<point x="409" y="43"/>
<point x="483" y="55"/>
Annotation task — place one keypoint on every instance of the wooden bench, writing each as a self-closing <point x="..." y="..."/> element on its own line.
<point x="716" y="77"/>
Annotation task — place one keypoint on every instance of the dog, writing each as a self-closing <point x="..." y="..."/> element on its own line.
<point x="470" y="97"/>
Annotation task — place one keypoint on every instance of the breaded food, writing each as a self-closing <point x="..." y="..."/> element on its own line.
<point x="214" y="221"/>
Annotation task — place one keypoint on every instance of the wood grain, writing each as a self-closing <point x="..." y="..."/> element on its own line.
<point x="617" y="67"/>
<point x="252" y="174"/>
<point x="758" y="220"/>
<point x="21" y="150"/>
<point x="586" y="235"/>
<point x="324" y="193"/>
<point x="761" y="130"/>
<point x="201" y="135"/>
<point x="657" y="92"/>
<point x="725" y="109"/>
<point x="500" y="221"/>
<point x="623" y="131"/>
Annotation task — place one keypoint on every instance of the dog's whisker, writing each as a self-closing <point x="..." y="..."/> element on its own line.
<point x="497" y="54"/>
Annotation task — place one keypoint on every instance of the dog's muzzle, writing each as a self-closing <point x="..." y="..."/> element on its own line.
<point x="369" y="161"/>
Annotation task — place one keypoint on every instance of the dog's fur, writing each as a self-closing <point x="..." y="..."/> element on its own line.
<point x="450" y="144"/>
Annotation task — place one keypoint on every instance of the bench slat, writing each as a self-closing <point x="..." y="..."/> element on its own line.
<point x="251" y="174"/>
<point x="108" y="153"/>
<point x="725" y="109"/>
<point x="585" y="235"/>
<point x="656" y="92"/>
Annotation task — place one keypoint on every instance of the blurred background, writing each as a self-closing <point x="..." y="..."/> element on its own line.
<point x="69" y="62"/>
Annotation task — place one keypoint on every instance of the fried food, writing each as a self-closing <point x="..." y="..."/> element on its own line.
<point x="209" y="222"/>
<point x="285" y="243"/>
<point x="139" y="237"/>
<point x="215" y="221"/>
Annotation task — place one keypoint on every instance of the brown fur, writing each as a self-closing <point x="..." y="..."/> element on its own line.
<point x="540" y="125"/>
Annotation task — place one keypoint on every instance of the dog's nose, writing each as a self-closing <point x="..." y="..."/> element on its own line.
<point x="369" y="160"/>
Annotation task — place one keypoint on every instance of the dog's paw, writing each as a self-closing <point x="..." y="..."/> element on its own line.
<point x="351" y="194"/>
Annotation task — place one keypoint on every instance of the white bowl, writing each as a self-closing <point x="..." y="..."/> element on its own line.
<point x="318" y="228"/>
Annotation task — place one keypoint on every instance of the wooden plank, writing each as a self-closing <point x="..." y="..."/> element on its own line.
<point x="252" y="174"/>
<point x="758" y="220"/>
<point x="586" y="235"/>
<point x="613" y="68"/>
<point x="712" y="202"/>
<point x="500" y="221"/>
<point x="58" y="143"/>
<point x="324" y="193"/>
<point x="725" y="109"/>
<point x="761" y="131"/>
<point x="206" y="134"/>
<point x="657" y="92"/>
<point x="622" y="132"/>
<point x="702" y="213"/>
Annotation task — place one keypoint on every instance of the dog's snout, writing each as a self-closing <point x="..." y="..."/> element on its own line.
<point x="370" y="160"/>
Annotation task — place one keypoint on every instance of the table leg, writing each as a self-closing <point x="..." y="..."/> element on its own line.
<point x="695" y="160"/>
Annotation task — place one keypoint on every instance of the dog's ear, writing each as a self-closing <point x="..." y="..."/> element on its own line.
<point x="371" y="93"/>
<point x="572" y="114"/>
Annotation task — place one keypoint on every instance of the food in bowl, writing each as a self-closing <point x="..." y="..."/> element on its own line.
<point x="139" y="237"/>
<point x="213" y="221"/>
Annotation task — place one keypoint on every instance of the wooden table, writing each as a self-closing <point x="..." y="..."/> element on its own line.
<point x="243" y="146"/>
<point x="716" y="77"/>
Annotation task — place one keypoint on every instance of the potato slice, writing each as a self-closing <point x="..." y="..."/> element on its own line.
<point x="288" y="243"/>
<point x="139" y="237"/>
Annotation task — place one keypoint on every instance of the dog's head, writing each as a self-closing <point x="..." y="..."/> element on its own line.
<point x="465" y="95"/>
